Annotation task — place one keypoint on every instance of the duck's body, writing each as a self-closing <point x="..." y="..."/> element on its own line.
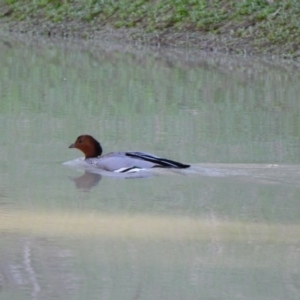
<point x="131" y="161"/>
<point x="121" y="161"/>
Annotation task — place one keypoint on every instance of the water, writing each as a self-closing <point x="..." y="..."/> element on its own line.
<point x="226" y="229"/>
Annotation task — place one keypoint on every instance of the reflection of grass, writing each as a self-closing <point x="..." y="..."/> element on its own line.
<point x="146" y="227"/>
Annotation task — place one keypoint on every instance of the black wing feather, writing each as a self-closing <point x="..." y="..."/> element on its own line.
<point x="161" y="162"/>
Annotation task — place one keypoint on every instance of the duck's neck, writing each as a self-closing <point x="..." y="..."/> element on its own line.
<point x="97" y="151"/>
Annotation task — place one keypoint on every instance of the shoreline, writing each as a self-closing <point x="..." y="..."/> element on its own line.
<point x="169" y="38"/>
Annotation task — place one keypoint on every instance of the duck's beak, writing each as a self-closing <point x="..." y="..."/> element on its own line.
<point x="72" y="146"/>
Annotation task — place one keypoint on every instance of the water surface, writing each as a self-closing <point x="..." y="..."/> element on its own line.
<point x="227" y="229"/>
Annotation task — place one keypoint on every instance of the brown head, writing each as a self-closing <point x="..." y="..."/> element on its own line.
<point x="88" y="145"/>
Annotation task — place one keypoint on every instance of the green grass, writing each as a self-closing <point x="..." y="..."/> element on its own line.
<point x="262" y="24"/>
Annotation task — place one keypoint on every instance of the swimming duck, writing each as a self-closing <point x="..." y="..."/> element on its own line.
<point x="121" y="162"/>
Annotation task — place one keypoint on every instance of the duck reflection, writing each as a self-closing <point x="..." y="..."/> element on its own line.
<point x="89" y="179"/>
<point x="86" y="181"/>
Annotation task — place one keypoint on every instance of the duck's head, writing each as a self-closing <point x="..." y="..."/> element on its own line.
<point x="88" y="145"/>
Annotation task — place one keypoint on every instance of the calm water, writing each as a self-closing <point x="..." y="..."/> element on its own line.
<point x="227" y="229"/>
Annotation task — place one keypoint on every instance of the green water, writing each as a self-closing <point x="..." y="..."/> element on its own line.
<point x="227" y="229"/>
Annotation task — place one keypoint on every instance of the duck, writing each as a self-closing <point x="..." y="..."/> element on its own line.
<point x="121" y="162"/>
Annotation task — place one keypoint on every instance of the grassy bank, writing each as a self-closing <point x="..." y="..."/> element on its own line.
<point x="256" y="26"/>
